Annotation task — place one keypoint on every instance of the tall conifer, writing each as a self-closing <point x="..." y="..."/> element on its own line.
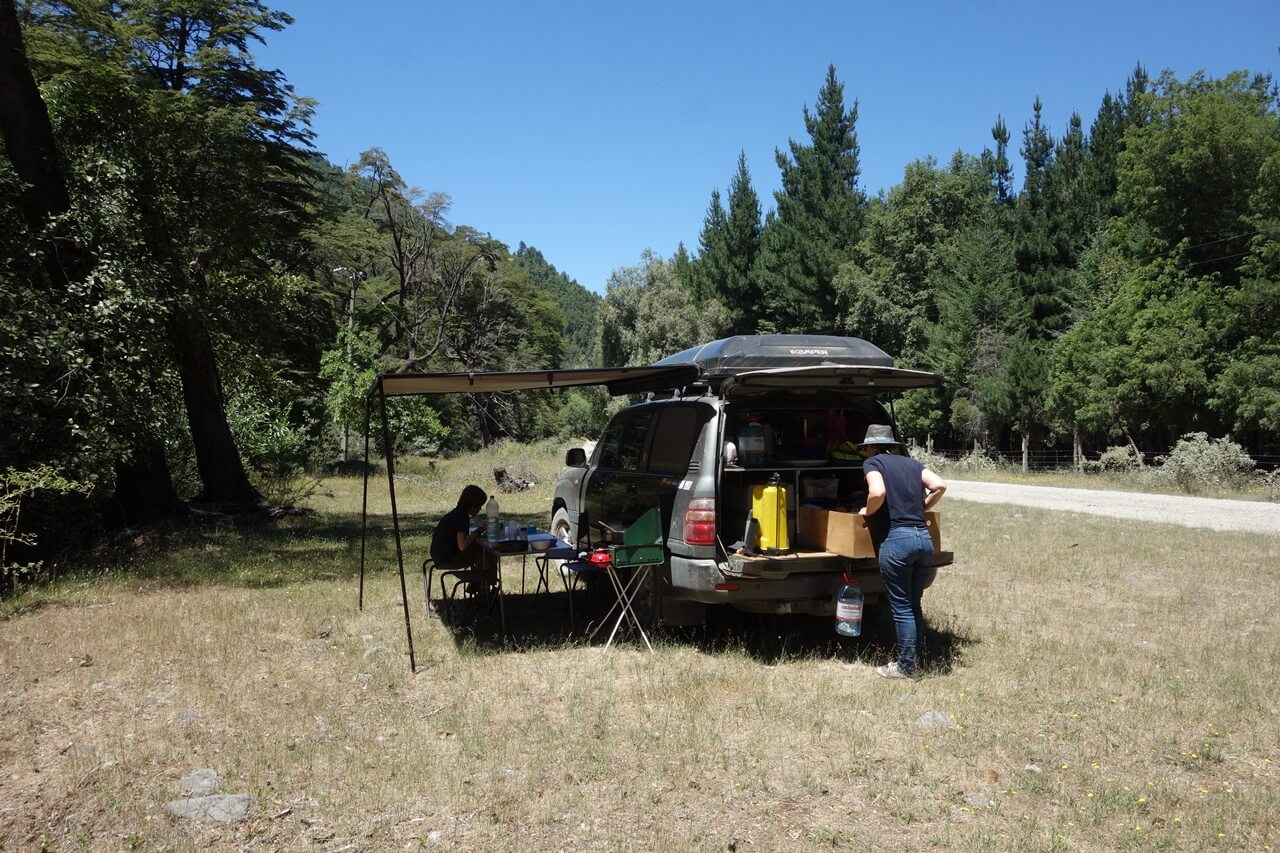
<point x="819" y="218"/>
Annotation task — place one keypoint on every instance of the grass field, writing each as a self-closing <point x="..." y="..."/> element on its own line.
<point x="1106" y="686"/>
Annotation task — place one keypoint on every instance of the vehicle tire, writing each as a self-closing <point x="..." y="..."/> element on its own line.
<point x="563" y="529"/>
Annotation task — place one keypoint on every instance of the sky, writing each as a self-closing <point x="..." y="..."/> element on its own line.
<point x="594" y="131"/>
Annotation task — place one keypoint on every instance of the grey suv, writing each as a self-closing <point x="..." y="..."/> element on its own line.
<point x="696" y="452"/>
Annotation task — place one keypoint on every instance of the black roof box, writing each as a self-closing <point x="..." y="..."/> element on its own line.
<point x="730" y="356"/>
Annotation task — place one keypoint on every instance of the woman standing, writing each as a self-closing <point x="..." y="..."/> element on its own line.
<point x="899" y="490"/>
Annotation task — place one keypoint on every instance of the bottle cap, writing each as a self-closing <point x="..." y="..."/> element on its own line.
<point x="849" y="578"/>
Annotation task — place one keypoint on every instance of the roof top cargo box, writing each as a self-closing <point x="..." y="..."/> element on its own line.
<point x="868" y="380"/>
<point x="732" y="356"/>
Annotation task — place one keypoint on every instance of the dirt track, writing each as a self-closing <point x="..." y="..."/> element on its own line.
<point x="1213" y="513"/>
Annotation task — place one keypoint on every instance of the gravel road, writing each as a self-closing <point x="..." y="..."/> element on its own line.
<point x="1213" y="513"/>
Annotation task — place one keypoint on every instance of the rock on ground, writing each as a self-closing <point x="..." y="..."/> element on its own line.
<point x="198" y="783"/>
<point x="218" y="808"/>
<point x="934" y="720"/>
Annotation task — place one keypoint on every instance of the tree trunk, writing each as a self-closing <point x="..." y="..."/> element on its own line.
<point x="221" y="471"/>
<point x="144" y="489"/>
<point x="1077" y="452"/>
<point x="1026" y="453"/>
<point x="28" y="134"/>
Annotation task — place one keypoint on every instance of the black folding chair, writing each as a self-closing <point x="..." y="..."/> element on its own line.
<point x="475" y="583"/>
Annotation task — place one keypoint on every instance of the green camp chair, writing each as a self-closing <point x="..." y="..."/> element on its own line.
<point x="641" y="542"/>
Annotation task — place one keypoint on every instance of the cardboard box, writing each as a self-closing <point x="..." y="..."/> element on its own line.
<point x="846" y="534"/>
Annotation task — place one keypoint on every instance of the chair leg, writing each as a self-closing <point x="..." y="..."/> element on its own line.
<point x="428" y="569"/>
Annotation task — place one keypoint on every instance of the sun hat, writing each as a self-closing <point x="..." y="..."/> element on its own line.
<point x="880" y="434"/>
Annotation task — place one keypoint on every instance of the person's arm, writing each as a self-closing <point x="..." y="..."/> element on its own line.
<point x="875" y="493"/>
<point x="934" y="488"/>
<point x="465" y="541"/>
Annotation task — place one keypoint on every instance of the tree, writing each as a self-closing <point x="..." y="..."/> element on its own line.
<point x="818" y="221"/>
<point x="740" y="289"/>
<point x="889" y="294"/>
<point x="578" y="305"/>
<point x="709" y="270"/>
<point x="998" y="167"/>
<point x="648" y="314"/>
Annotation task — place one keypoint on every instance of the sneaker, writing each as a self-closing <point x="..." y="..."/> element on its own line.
<point x="891" y="671"/>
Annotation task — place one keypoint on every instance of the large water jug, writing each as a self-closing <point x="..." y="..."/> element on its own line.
<point x="753" y="444"/>
<point x="769" y="506"/>
<point x="849" y="608"/>
<point x="491" y="519"/>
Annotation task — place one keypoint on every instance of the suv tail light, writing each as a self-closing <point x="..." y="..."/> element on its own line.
<point x="700" y="522"/>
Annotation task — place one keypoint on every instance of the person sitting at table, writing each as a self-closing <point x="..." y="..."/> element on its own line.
<point x="453" y="546"/>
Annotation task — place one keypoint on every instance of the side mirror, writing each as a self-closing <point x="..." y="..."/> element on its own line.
<point x="576" y="458"/>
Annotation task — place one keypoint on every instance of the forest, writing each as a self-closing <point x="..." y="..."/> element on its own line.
<point x="194" y="300"/>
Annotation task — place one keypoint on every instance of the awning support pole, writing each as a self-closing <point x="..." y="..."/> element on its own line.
<point x="364" y="504"/>
<point x="395" y="525"/>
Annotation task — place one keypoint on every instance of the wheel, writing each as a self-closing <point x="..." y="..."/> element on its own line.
<point x="562" y="529"/>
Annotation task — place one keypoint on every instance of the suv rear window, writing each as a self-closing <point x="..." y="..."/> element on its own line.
<point x="673" y="440"/>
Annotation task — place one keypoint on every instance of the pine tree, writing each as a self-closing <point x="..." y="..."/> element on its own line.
<point x="818" y="221"/>
<point x="998" y="162"/>
<point x="740" y="290"/>
<point x="709" y="270"/>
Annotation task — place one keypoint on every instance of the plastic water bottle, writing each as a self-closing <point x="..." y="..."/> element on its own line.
<point x="849" y="608"/>
<point x="491" y="513"/>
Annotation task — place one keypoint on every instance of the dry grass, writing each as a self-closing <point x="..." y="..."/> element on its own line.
<point x="1112" y="686"/>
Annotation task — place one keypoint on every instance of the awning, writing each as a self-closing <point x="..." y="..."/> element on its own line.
<point x="619" y="380"/>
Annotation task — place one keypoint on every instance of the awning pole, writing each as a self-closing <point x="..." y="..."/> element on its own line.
<point x="395" y="525"/>
<point x="364" y="504"/>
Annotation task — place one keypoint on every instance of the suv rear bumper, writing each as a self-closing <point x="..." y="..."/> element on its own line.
<point x="799" y="592"/>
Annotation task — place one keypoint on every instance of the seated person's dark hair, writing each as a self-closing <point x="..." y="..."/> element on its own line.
<point x="472" y="496"/>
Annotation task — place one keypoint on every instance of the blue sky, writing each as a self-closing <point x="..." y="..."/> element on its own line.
<point x="595" y="130"/>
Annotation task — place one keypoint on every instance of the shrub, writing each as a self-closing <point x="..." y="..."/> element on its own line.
<point x="1120" y="459"/>
<point x="933" y="461"/>
<point x="1197" y="461"/>
<point x="1271" y="485"/>
<point x="16" y="489"/>
<point x="276" y="452"/>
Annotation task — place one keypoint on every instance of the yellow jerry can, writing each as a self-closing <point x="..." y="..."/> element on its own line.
<point x="769" y="506"/>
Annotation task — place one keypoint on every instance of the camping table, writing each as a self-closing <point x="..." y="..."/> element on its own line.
<point x="563" y="551"/>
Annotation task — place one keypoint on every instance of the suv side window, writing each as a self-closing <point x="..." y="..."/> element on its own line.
<point x="622" y="445"/>
<point x="631" y="447"/>
<point x="673" y="440"/>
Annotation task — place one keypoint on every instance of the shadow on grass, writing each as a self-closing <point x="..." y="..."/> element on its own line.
<point x="327" y="548"/>
<point x="541" y="621"/>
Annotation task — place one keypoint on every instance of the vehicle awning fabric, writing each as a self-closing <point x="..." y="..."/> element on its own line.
<point x="619" y="380"/>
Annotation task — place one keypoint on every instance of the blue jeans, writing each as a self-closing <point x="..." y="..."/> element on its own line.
<point x="905" y="558"/>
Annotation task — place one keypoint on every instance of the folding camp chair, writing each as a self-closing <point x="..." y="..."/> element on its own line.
<point x="463" y="574"/>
